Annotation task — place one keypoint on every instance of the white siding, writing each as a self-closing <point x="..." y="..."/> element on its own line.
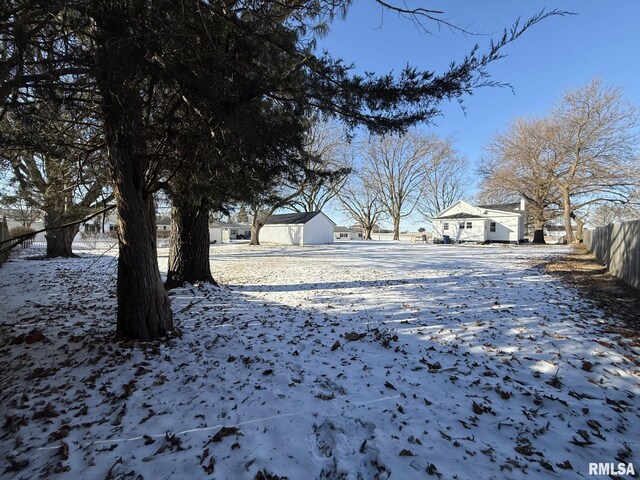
<point x="215" y="234"/>
<point x="509" y="228"/>
<point x="461" y="207"/>
<point x="477" y="232"/>
<point x="283" y="234"/>
<point x="318" y="230"/>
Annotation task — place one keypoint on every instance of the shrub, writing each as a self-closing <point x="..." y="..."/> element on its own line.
<point x="18" y="231"/>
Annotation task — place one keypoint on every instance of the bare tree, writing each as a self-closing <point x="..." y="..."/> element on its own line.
<point x="618" y="212"/>
<point x="597" y="138"/>
<point x="21" y="209"/>
<point x="329" y="165"/>
<point x="446" y="180"/>
<point x="396" y="168"/>
<point x="521" y="163"/>
<point x="361" y="202"/>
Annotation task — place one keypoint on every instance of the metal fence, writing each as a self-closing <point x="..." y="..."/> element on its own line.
<point x="618" y="247"/>
<point x="97" y="242"/>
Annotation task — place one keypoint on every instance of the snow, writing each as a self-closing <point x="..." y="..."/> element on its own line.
<point x="350" y="361"/>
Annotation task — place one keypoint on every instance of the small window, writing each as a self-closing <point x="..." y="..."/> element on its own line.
<point x="344" y="235"/>
<point x="492" y="226"/>
<point x="445" y="226"/>
<point x="469" y="225"/>
<point x="461" y="226"/>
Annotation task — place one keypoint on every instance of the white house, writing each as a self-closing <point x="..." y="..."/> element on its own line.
<point x="306" y="228"/>
<point x="224" y="232"/>
<point x="463" y="222"/>
<point x="347" y="233"/>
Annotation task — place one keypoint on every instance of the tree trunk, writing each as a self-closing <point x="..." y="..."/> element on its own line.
<point x="538" y="231"/>
<point x="396" y="227"/>
<point x="60" y="241"/>
<point x="189" y="246"/>
<point x="255" y="232"/>
<point x="367" y="232"/>
<point x="566" y="214"/>
<point x="144" y="311"/>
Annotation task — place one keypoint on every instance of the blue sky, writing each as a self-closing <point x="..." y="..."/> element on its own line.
<point x="602" y="39"/>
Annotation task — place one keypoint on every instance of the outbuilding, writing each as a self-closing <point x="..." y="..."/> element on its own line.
<point x="225" y="232"/>
<point x="305" y="228"/>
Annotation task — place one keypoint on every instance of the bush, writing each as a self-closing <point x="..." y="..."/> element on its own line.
<point x="18" y="231"/>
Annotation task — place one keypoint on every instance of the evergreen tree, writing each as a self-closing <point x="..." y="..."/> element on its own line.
<point x="121" y="57"/>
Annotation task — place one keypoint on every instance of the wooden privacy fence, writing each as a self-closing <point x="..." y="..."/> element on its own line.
<point x="618" y="247"/>
<point x="4" y="235"/>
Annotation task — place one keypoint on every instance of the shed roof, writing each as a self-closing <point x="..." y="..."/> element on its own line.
<point x="291" y="218"/>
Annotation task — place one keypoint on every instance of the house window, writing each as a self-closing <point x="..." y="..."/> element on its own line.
<point x="469" y="225"/>
<point x="492" y="226"/>
<point x="344" y="235"/>
<point x="461" y="226"/>
<point x="445" y="226"/>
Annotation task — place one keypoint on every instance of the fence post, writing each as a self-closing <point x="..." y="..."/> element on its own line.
<point x="4" y="235"/>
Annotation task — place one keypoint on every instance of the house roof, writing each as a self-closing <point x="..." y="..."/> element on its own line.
<point x="219" y="224"/>
<point x="341" y="229"/>
<point x="459" y="215"/>
<point x="292" y="218"/>
<point x="503" y="207"/>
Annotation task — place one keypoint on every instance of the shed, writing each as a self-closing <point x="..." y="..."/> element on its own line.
<point x="225" y="232"/>
<point x="306" y="228"/>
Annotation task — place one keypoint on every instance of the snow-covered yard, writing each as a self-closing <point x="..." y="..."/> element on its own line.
<point x="351" y="361"/>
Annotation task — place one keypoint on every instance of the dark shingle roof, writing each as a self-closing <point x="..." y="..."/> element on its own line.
<point x="458" y="215"/>
<point x="291" y="218"/>
<point x="503" y="207"/>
